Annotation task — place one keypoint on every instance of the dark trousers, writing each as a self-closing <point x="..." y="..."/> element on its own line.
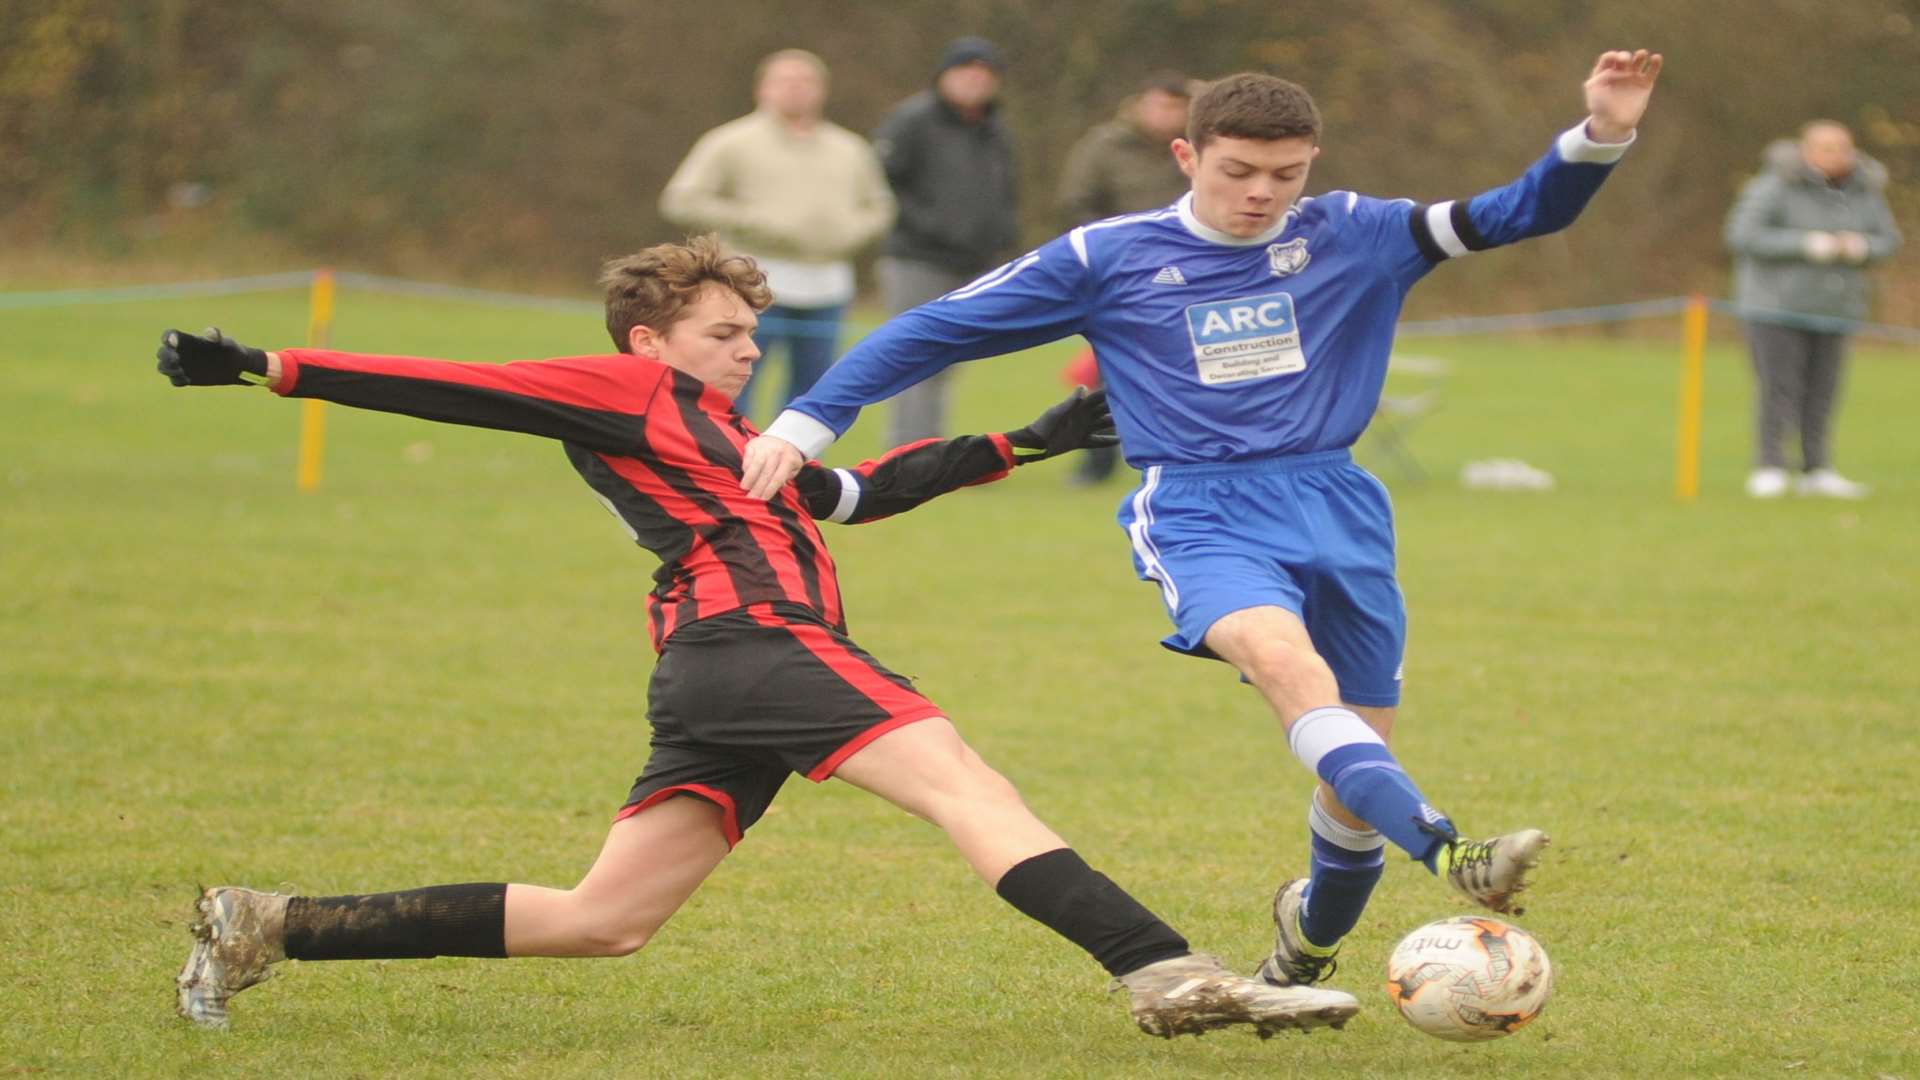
<point x="1797" y="384"/>
<point x="919" y="411"/>
<point x="811" y="336"/>
<point x="1097" y="463"/>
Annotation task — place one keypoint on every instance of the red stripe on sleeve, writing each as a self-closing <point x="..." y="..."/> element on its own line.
<point x="868" y="466"/>
<point x="1001" y="444"/>
<point x="1005" y="449"/>
<point x="613" y="383"/>
<point x="289" y="372"/>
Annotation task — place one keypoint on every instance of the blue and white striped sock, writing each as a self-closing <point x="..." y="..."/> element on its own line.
<point x="1346" y="864"/>
<point x="1354" y="761"/>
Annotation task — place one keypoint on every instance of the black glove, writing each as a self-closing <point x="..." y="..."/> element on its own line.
<point x="1079" y="423"/>
<point x="209" y="359"/>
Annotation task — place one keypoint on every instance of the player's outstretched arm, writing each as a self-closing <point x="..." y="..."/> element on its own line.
<point x="908" y="476"/>
<point x="1557" y="187"/>
<point x="1618" y="90"/>
<point x="1039" y="297"/>
<point x="594" y="401"/>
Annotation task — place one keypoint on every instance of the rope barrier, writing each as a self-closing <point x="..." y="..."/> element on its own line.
<point x="1546" y="320"/>
<point x="296" y="279"/>
<point x="1448" y="327"/>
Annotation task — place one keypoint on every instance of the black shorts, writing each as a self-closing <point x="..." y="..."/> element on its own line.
<point x="743" y="699"/>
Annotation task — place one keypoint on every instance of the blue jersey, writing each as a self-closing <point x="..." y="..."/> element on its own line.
<point x="1213" y="348"/>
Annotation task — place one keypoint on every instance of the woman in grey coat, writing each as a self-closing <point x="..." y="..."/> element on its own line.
<point x="1803" y="233"/>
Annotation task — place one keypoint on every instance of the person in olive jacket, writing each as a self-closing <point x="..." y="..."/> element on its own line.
<point x="1123" y="166"/>
<point x="1803" y="233"/>
<point x="950" y="161"/>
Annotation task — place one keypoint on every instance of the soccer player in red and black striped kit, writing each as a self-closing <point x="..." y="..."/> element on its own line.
<point x="756" y="677"/>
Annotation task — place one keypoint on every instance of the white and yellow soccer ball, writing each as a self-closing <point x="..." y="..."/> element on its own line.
<point x="1468" y="979"/>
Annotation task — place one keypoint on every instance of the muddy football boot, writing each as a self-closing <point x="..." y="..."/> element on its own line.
<point x="1195" y="994"/>
<point x="1295" y="960"/>
<point x="237" y="934"/>
<point x="1492" y="873"/>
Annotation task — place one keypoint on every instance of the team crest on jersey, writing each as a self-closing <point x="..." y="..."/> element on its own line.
<point x="1252" y="337"/>
<point x="1288" y="258"/>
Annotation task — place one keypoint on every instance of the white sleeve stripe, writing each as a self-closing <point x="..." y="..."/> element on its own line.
<point x="1353" y="200"/>
<point x="998" y="277"/>
<point x="1078" y="238"/>
<point x="849" y="496"/>
<point x="1575" y="146"/>
<point x="1440" y="226"/>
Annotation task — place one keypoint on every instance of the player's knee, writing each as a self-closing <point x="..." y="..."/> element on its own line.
<point x="1269" y="664"/>
<point x="992" y="787"/>
<point x="616" y="937"/>
<point x="617" y="943"/>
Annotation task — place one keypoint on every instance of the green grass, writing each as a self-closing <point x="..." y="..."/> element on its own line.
<point x="433" y="670"/>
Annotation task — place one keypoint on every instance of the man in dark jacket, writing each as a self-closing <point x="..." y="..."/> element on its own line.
<point x="1803" y="233"/>
<point x="950" y="162"/>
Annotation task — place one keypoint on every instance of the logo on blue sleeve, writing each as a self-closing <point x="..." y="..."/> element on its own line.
<point x="1249" y="338"/>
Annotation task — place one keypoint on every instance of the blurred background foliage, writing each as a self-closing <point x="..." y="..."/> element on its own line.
<point x="507" y="142"/>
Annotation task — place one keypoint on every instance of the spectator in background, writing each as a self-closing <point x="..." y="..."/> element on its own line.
<point x="950" y="162"/>
<point x="800" y="195"/>
<point x="1119" y="167"/>
<point x="1802" y="234"/>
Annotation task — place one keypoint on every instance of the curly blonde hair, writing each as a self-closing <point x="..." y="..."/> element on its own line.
<point x="653" y="287"/>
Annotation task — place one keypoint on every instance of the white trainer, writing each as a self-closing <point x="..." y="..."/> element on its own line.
<point x="239" y="933"/>
<point x="1493" y="873"/>
<point x="1295" y="961"/>
<point x="1195" y="994"/>
<point x="1827" y="484"/>
<point x="1767" y="483"/>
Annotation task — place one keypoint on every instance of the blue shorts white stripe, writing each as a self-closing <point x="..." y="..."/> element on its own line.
<point x="1311" y="533"/>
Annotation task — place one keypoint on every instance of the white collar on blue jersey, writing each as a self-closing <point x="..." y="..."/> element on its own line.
<point x="1208" y="233"/>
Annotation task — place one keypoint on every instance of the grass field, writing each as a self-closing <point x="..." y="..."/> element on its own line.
<point x="433" y="671"/>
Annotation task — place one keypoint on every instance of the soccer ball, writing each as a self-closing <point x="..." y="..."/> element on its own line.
<point x="1469" y="979"/>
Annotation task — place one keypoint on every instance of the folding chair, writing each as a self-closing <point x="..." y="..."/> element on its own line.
<point x="1393" y="423"/>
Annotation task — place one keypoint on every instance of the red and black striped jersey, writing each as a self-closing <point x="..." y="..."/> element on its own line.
<point x="662" y="451"/>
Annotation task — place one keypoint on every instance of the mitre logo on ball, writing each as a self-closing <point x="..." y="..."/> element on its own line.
<point x="1469" y="978"/>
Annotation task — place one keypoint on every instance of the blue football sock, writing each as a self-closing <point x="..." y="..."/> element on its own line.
<point x="1346" y="864"/>
<point x="1354" y="761"/>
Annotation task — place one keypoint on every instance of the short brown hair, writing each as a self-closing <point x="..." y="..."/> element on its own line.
<point x="652" y="287"/>
<point x="1252" y="106"/>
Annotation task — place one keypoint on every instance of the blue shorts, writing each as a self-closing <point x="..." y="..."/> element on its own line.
<point x="1311" y="533"/>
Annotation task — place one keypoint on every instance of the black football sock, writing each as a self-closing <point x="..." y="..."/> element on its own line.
<point x="440" y="920"/>
<point x="1060" y="891"/>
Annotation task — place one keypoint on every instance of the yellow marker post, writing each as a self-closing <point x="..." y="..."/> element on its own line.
<point x="1686" y="477"/>
<point x="313" y="412"/>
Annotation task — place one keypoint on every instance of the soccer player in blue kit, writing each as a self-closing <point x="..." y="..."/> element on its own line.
<point x="1244" y="334"/>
